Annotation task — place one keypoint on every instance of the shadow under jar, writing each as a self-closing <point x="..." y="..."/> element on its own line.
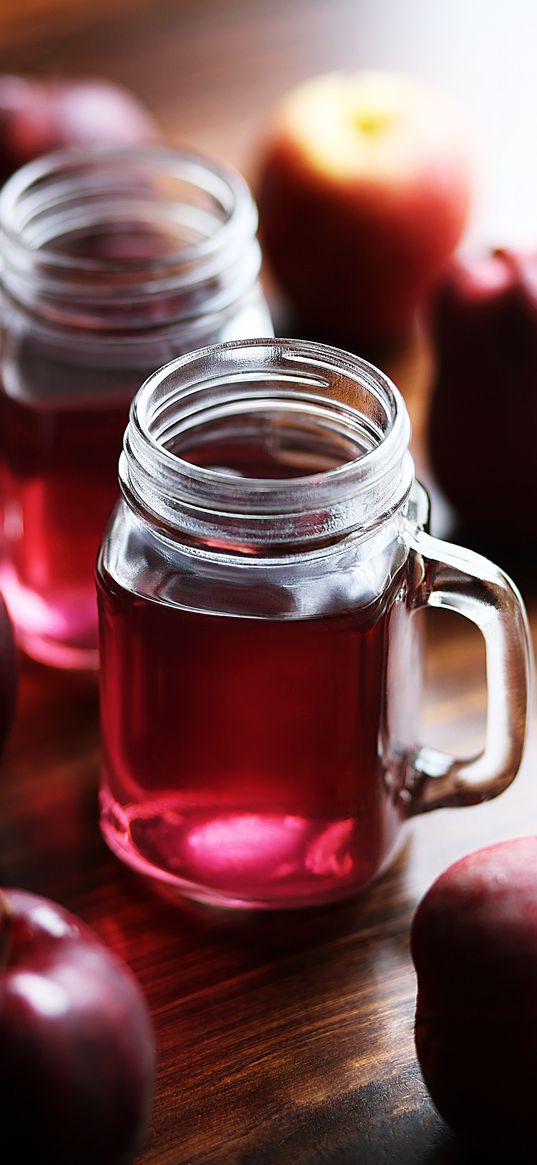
<point x="114" y="261"/>
<point x="260" y="652"/>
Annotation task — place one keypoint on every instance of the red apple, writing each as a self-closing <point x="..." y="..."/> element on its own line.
<point x="474" y="946"/>
<point x="77" y="1062"/>
<point x="364" y="192"/>
<point x="41" y="115"/>
<point x="483" y="417"/>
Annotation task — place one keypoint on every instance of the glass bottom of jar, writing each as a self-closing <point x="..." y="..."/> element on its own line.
<point x="62" y="633"/>
<point x="58" y="655"/>
<point x="240" y="859"/>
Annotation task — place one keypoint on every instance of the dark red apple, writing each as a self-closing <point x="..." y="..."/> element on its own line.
<point x="41" y="115"/>
<point x="77" y="1050"/>
<point x="483" y="418"/>
<point x="474" y="946"/>
<point x="364" y="191"/>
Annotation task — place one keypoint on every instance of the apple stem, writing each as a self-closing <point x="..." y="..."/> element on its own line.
<point x="6" y="930"/>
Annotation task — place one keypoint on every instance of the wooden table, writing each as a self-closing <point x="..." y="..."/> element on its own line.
<point x="282" y="1040"/>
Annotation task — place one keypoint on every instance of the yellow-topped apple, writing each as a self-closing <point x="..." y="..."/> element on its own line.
<point x="364" y="192"/>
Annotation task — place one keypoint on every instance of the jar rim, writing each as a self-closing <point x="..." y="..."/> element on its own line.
<point x="219" y="180"/>
<point x="356" y="494"/>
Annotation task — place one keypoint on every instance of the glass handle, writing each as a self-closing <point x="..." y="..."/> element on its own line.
<point x="448" y="576"/>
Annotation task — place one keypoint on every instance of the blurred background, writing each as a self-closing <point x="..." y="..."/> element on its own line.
<point x="178" y="54"/>
<point x="212" y="72"/>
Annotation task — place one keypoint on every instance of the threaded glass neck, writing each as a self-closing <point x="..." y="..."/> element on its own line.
<point x="267" y="447"/>
<point x="126" y="239"/>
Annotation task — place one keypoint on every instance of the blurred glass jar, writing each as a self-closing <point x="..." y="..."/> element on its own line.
<point x="113" y="262"/>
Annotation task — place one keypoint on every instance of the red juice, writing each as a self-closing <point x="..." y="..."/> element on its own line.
<point x="244" y="757"/>
<point x="58" y="474"/>
<point x="64" y="407"/>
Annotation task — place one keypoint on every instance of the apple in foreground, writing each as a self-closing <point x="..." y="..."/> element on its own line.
<point x="37" y="116"/>
<point x="483" y="412"/>
<point x="474" y="946"/>
<point x="77" y="1062"/>
<point x="364" y="190"/>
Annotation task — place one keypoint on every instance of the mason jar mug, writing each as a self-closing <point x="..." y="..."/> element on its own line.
<point x="113" y="261"/>
<point x="258" y="587"/>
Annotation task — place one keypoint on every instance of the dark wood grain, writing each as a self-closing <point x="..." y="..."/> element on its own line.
<point x="282" y="1039"/>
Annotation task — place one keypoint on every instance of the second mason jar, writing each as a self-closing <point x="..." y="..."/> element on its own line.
<point x="113" y="262"/>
